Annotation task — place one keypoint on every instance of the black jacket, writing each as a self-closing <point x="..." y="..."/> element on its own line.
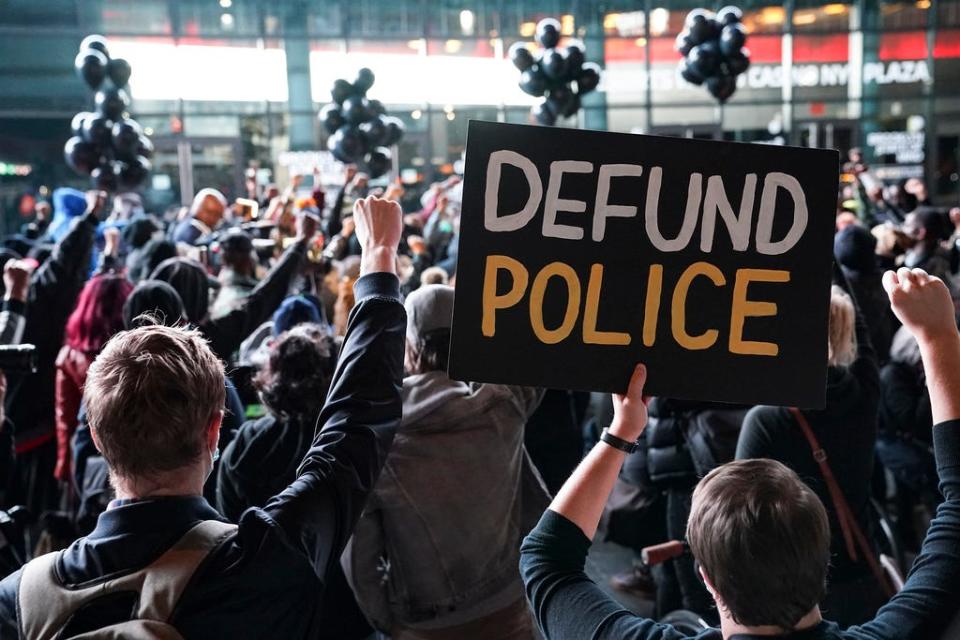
<point x="266" y="580"/>
<point x="54" y="289"/>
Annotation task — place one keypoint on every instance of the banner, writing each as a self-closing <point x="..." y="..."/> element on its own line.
<point x="582" y="253"/>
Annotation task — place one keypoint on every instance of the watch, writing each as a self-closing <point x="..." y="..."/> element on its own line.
<point x="618" y="443"/>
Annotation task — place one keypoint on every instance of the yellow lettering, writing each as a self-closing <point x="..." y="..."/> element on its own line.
<point x="537" y="292"/>
<point x="651" y="308"/>
<point x="590" y="333"/>
<point x="679" y="307"/>
<point x="743" y="309"/>
<point x="491" y="300"/>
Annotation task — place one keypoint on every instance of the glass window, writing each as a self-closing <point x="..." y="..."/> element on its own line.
<point x="209" y="18"/>
<point x="817" y="15"/>
<point x="136" y="16"/>
<point x="395" y="18"/>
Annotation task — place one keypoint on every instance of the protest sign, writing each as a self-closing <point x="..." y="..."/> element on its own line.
<point x="584" y="252"/>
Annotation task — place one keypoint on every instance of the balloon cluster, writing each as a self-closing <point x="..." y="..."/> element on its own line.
<point x="360" y="130"/>
<point x="713" y="48"/>
<point x="552" y="72"/>
<point x="109" y="147"/>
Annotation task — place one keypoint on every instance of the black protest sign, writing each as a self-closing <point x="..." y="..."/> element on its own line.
<point x="582" y="253"/>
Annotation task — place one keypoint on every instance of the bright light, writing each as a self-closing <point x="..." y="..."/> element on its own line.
<point x="418" y="45"/>
<point x="451" y="116"/>
<point x="527" y="29"/>
<point x="610" y="21"/>
<point x="640" y="42"/>
<point x="659" y="21"/>
<point x="226" y="20"/>
<point x="416" y="114"/>
<point x="566" y="24"/>
<point x="804" y="18"/>
<point x="452" y="46"/>
<point x="835" y="9"/>
<point x="467" y="22"/>
<point x="226" y="4"/>
<point x="148" y="131"/>
<point x="448" y="108"/>
<point x="923" y="4"/>
<point x="773" y="15"/>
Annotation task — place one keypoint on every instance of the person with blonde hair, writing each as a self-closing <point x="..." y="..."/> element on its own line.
<point x="846" y="429"/>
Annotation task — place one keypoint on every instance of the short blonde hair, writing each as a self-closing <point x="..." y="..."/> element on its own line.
<point x="150" y="396"/>
<point x="842" y="342"/>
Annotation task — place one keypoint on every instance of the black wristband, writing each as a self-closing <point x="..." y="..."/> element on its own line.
<point x="618" y="443"/>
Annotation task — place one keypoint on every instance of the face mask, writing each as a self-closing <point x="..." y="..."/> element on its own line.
<point x="213" y="460"/>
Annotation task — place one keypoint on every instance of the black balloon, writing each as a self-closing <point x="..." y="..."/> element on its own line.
<point x="91" y="66"/>
<point x="520" y="56"/>
<point x="103" y="177"/>
<point x="721" y="87"/>
<point x="394" y="130"/>
<point x="542" y="114"/>
<point x="548" y="33"/>
<point x="112" y="102"/>
<point x="533" y="82"/>
<point x="95" y="42"/>
<point x="341" y="90"/>
<point x="559" y="99"/>
<point x="355" y="110"/>
<point x="704" y="58"/>
<point x="683" y="43"/>
<point x="376" y="107"/>
<point x="145" y="147"/>
<point x="739" y="61"/>
<point x="132" y="173"/>
<point x="81" y="156"/>
<point x="119" y="70"/>
<point x="575" y="58"/>
<point x="76" y="125"/>
<point x="729" y="15"/>
<point x="97" y="129"/>
<point x="732" y="39"/>
<point x="347" y="144"/>
<point x="332" y="118"/>
<point x="701" y="25"/>
<point x="589" y="78"/>
<point x="375" y="130"/>
<point x="554" y="64"/>
<point x="126" y="138"/>
<point x="689" y="74"/>
<point x="378" y="162"/>
<point x="364" y="81"/>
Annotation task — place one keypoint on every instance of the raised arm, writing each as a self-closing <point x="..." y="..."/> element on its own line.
<point x="566" y="603"/>
<point x="16" y="280"/>
<point x="929" y="598"/>
<point x="363" y="408"/>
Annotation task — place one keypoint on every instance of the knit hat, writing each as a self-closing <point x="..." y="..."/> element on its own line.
<point x="156" y="298"/>
<point x="293" y="311"/>
<point x="855" y="248"/>
<point x="429" y="309"/>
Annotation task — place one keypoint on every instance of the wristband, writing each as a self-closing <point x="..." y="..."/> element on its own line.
<point x="618" y="443"/>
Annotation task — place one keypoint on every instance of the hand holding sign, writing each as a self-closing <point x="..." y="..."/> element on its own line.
<point x="588" y="251"/>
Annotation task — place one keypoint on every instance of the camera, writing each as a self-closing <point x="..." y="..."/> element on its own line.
<point x="18" y="358"/>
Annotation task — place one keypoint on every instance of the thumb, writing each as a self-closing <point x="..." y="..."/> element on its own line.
<point x="637" y="381"/>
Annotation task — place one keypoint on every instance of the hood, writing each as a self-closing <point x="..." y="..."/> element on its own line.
<point x="436" y="396"/>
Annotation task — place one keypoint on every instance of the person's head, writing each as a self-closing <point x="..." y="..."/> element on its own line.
<point x="299" y="368"/>
<point x="855" y="154"/>
<point x="434" y="275"/>
<point x="926" y="226"/>
<point x="42" y="210"/>
<point x="237" y="248"/>
<point x="153" y="302"/>
<point x="762" y="540"/>
<point x="429" y="318"/>
<point x="209" y="207"/>
<point x="154" y="399"/>
<point x="139" y="231"/>
<point x="152" y="254"/>
<point x="856" y="248"/>
<point x="842" y="339"/>
<point x="293" y="311"/>
<point x="127" y="205"/>
<point x="98" y="314"/>
<point x="190" y="280"/>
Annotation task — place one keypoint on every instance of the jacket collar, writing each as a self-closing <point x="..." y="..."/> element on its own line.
<point x="135" y="517"/>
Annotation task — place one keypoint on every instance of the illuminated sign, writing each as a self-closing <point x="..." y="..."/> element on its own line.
<point x="8" y="169"/>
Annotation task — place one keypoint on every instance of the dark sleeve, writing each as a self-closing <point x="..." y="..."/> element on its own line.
<point x="900" y="406"/>
<point x="227" y="332"/>
<point x="319" y="510"/>
<point x="333" y="224"/>
<point x="865" y="367"/>
<point x="8" y="606"/>
<point x="928" y="600"/>
<point x="55" y="286"/>
<point x="755" y="436"/>
<point x="565" y="602"/>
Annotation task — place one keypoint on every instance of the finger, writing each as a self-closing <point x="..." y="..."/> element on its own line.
<point x="921" y="276"/>
<point x="637" y="380"/>
<point x="890" y="282"/>
<point x="906" y="276"/>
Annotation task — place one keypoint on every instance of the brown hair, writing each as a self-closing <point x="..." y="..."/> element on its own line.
<point x="842" y="341"/>
<point x="763" y="539"/>
<point x="150" y="395"/>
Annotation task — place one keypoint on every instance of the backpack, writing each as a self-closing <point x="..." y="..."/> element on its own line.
<point x="46" y="606"/>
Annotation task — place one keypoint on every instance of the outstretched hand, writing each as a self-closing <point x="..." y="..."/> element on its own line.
<point x="922" y="303"/>
<point x="630" y="410"/>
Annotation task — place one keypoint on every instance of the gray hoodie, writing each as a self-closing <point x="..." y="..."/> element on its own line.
<point x="438" y="543"/>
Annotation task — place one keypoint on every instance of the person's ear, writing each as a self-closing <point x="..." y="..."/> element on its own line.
<point x="707" y="583"/>
<point x="213" y="430"/>
<point x="96" y="440"/>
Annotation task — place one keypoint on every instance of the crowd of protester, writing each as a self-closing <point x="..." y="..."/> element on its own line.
<point x="265" y="393"/>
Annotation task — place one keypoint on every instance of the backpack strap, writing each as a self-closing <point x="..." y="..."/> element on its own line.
<point x="853" y="535"/>
<point x="45" y="605"/>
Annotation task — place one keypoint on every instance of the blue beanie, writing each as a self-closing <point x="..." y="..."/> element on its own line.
<point x="67" y="205"/>
<point x="293" y="311"/>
